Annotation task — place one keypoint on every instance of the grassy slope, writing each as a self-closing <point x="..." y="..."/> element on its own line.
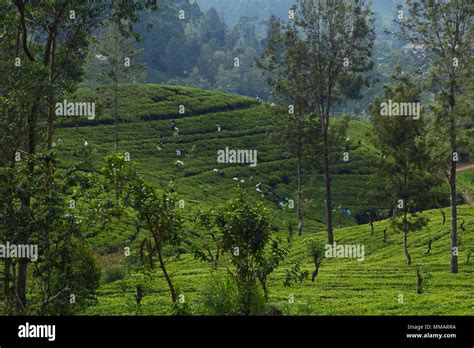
<point x="343" y="286"/>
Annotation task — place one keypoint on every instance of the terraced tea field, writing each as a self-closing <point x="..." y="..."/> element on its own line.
<point x="243" y="125"/>
<point x="380" y="285"/>
<point x="383" y="284"/>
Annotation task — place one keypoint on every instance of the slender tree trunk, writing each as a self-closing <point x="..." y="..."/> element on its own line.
<point x="116" y="110"/>
<point x="299" y="208"/>
<point x="115" y="68"/>
<point x="45" y="294"/>
<point x="315" y="272"/>
<point x="52" y="73"/>
<point x="452" y="183"/>
<point x="20" y="279"/>
<point x="116" y="134"/>
<point x="168" y="279"/>
<point x="327" y="181"/>
<point x="150" y="254"/>
<point x="116" y="78"/>
<point x="6" y="282"/>
<point x="419" y="289"/>
<point x="371" y="222"/>
<point x="405" y="237"/>
<point x="32" y="121"/>
<point x="6" y="277"/>
<point x="163" y="268"/>
<point x="21" y="282"/>
<point x="430" y="242"/>
<point x="246" y="297"/>
<point x="263" y="283"/>
<point x="454" y="227"/>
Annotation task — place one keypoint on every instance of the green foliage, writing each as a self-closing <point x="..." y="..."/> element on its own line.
<point x="117" y="174"/>
<point x="207" y="245"/>
<point x="316" y="250"/>
<point x="74" y="280"/>
<point x="220" y="295"/>
<point x="244" y="226"/>
<point x="180" y="309"/>
<point x="241" y="128"/>
<point x="114" y="273"/>
<point x="302" y="62"/>
<point x="157" y="102"/>
<point x="414" y="222"/>
<point x="406" y="171"/>
<point x="405" y="168"/>
<point x="199" y="50"/>
<point x="66" y="265"/>
<point x="157" y="211"/>
<point x="377" y="281"/>
<point x="107" y="57"/>
<point x="448" y="39"/>
<point x="199" y="139"/>
<point x="295" y="275"/>
<point x="244" y="234"/>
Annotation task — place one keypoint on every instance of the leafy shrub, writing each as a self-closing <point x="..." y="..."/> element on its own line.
<point x="114" y="273"/>
<point x="221" y="295"/>
<point x="181" y="309"/>
<point x="295" y="275"/>
<point x="316" y="251"/>
<point x="258" y="303"/>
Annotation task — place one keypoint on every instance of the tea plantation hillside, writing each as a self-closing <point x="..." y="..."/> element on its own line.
<point x="206" y="122"/>
<point x="211" y="122"/>
<point x="382" y="284"/>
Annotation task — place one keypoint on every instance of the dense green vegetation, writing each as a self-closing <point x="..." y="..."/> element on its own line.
<point x="263" y="9"/>
<point x="139" y="208"/>
<point x="199" y="49"/>
<point x="343" y="286"/>
<point x="198" y="140"/>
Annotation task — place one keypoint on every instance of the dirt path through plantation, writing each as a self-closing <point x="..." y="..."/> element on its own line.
<point x="462" y="168"/>
<point x="465" y="166"/>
